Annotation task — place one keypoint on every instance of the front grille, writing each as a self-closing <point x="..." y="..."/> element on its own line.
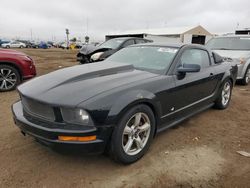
<point x="38" y="109"/>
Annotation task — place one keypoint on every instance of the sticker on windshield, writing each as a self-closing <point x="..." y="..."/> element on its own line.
<point x="169" y="50"/>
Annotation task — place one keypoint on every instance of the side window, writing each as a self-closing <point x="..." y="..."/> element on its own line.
<point x="128" y="43"/>
<point x="139" y="41"/>
<point x="195" y="56"/>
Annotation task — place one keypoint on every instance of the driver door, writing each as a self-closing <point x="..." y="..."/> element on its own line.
<point x="193" y="88"/>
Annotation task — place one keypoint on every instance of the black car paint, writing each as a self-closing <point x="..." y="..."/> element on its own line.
<point x="84" y="55"/>
<point x="106" y="90"/>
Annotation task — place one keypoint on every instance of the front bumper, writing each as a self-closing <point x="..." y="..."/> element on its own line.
<point x="49" y="136"/>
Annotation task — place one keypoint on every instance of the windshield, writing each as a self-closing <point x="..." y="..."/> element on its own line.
<point x="152" y="59"/>
<point x="229" y="43"/>
<point x="112" y="43"/>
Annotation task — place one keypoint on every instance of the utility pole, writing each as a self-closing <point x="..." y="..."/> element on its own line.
<point x="31" y="34"/>
<point x="87" y="23"/>
<point x="67" y="33"/>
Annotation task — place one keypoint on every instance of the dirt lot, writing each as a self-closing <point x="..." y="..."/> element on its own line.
<point x="200" y="152"/>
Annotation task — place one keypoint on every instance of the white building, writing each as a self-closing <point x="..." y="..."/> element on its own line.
<point x="197" y="34"/>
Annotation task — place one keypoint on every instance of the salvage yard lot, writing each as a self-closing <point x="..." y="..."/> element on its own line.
<point x="200" y="152"/>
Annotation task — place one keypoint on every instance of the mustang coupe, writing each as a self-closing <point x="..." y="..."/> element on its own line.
<point x="120" y="104"/>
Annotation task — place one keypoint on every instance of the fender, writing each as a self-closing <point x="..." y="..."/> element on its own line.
<point x="16" y="65"/>
<point x="132" y="98"/>
<point x="247" y="64"/>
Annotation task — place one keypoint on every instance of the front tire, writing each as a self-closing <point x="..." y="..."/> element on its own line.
<point x="133" y="134"/>
<point x="246" y="78"/>
<point x="9" y="78"/>
<point x="225" y="93"/>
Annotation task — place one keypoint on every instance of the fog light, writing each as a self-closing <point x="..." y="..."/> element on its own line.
<point x="77" y="138"/>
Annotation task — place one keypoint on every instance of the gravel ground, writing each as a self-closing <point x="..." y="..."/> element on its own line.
<point x="200" y="152"/>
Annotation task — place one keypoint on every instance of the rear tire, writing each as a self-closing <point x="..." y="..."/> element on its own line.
<point x="225" y="93"/>
<point x="9" y="78"/>
<point x="246" y="78"/>
<point x="133" y="134"/>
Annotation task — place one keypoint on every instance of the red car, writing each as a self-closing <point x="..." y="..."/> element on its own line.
<point x="14" y="68"/>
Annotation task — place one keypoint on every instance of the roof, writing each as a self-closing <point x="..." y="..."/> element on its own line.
<point x="233" y="36"/>
<point x="174" y="45"/>
<point x="159" y="31"/>
<point x="126" y="38"/>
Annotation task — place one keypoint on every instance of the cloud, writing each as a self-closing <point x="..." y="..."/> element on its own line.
<point x="49" y="18"/>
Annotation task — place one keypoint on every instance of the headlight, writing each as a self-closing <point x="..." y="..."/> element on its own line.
<point x="75" y="116"/>
<point x="96" y="56"/>
<point x="242" y="60"/>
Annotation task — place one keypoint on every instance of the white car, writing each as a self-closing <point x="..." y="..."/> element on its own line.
<point x="14" y="44"/>
<point x="236" y="48"/>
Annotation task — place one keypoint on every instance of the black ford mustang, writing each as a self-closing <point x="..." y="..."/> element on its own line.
<point x="120" y="104"/>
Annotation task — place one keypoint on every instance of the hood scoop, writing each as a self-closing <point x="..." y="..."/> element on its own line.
<point x="73" y="74"/>
<point x="99" y="73"/>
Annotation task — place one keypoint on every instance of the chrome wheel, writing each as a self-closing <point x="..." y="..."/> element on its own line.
<point x="136" y="133"/>
<point x="8" y="79"/>
<point x="226" y="92"/>
<point x="247" y="77"/>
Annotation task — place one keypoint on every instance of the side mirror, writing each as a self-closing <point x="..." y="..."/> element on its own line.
<point x="217" y="58"/>
<point x="189" y="68"/>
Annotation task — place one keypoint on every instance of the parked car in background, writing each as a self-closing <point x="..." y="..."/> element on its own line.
<point x="235" y="48"/>
<point x="88" y="54"/>
<point x="87" y="47"/>
<point x="34" y="44"/>
<point x="118" y="105"/>
<point x="14" y="68"/>
<point x="3" y="42"/>
<point x="27" y="43"/>
<point x="63" y="45"/>
<point x="44" y="45"/>
<point x="14" y="44"/>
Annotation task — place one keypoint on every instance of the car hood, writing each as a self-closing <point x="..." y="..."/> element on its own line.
<point x="234" y="54"/>
<point x="74" y="85"/>
<point x="10" y="52"/>
<point x="90" y="49"/>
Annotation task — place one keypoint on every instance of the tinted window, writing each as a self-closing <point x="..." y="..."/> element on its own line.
<point x="139" y="41"/>
<point x="195" y="56"/>
<point x="229" y="43"/>
<point x="128" y="43"/>
<point x="150" y="58"/>
<point x="112" y="43"/>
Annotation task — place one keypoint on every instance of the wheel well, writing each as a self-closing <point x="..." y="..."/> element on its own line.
<point x="151" y="106"/>
<point x="232" y="81"/>
<point x="13" y="65"/>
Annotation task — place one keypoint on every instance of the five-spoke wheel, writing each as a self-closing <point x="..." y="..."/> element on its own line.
<point x="132" y="136"/>
<point x="224" y="97"/>
<point x="136" y="133"/>
<point x="226" y="93"/>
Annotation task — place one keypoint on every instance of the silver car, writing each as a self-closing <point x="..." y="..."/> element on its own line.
<point x="14" y="44"/>
<point x="236" y="48"/>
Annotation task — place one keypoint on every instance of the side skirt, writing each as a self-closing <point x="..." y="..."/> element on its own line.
<point x="184" y="118"/>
